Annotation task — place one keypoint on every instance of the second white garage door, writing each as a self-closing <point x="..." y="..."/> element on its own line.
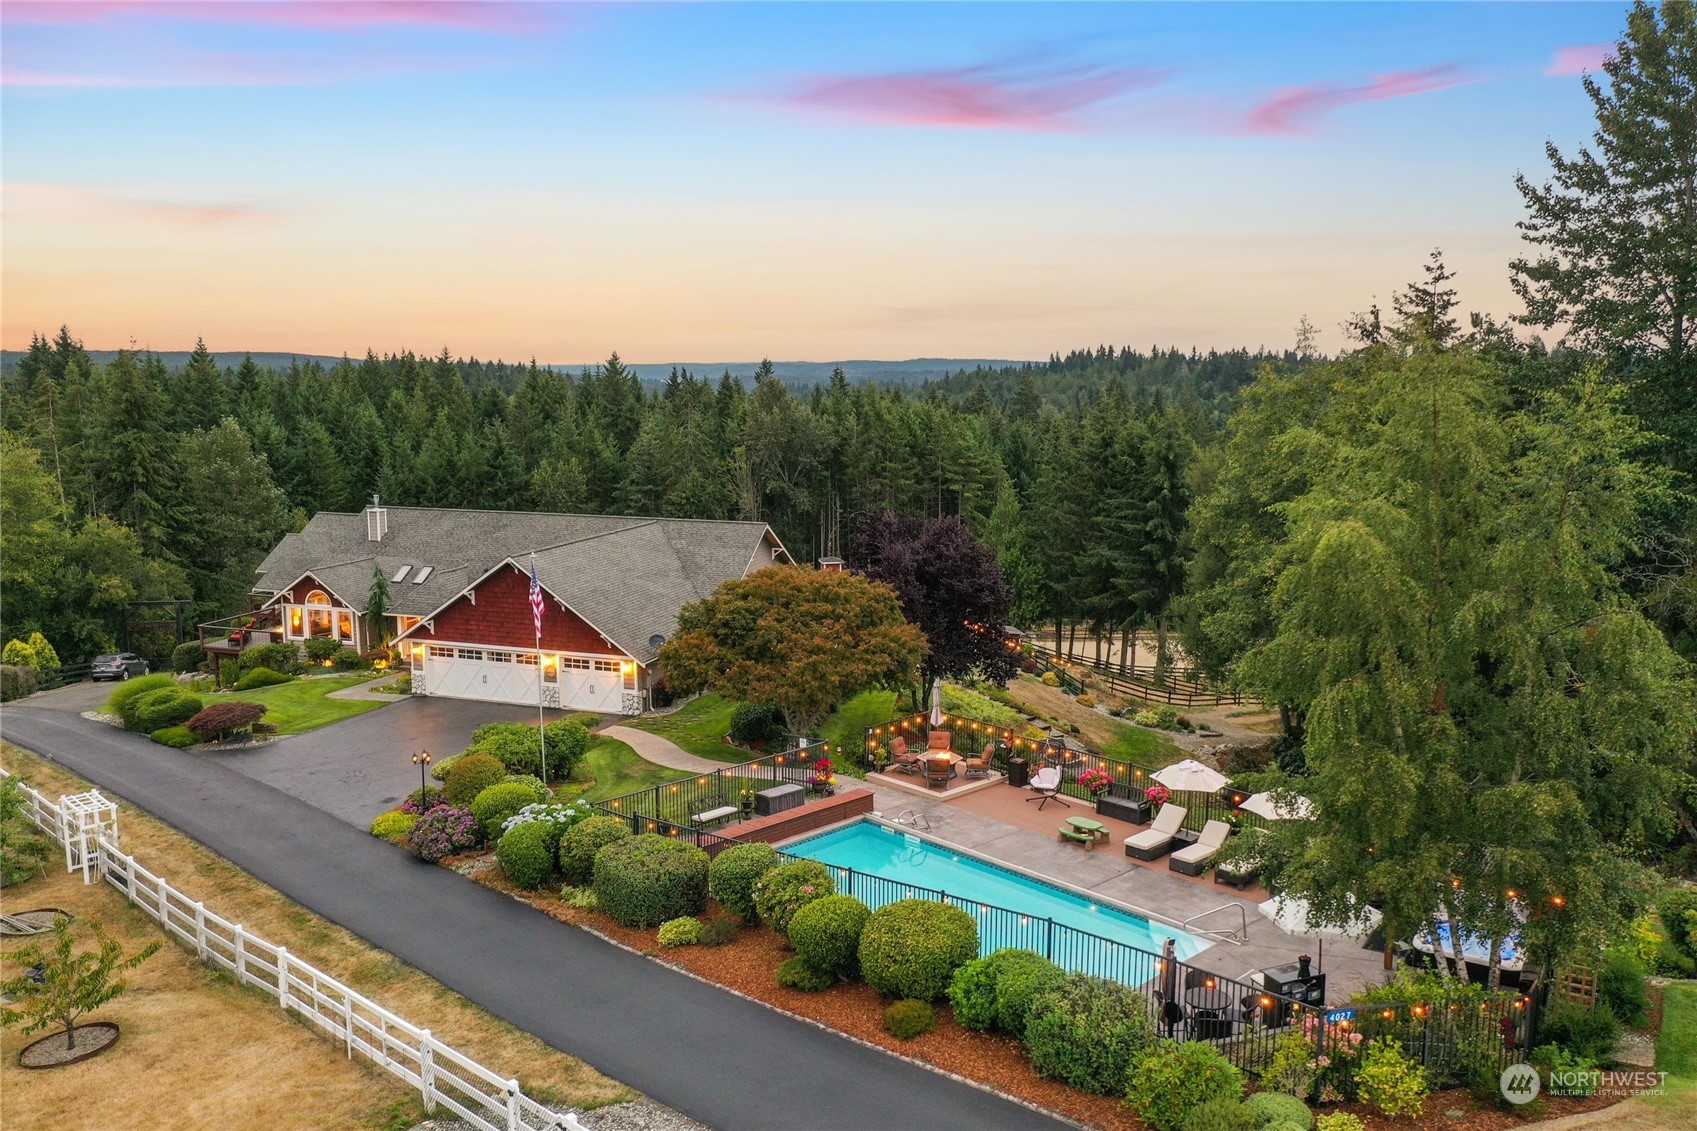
<point x="585" y="684"/>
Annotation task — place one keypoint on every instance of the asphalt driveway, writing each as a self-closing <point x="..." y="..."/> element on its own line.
<point x="723" y="1060"/>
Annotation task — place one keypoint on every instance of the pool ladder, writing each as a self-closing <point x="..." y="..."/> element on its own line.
<point x="914" y="819"/>
<point x="1239" y="936"/>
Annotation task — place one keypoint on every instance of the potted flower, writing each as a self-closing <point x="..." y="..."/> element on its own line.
<point x="1096" y="781"/>
<point x="746" y="800"/>
<point x="1157" y="794"/>
<point x="823" y="780"/>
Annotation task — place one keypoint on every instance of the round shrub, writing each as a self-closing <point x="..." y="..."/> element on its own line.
<point x="755" y="722"/>
<point x="470" y="775"/>
<point x="1621" y="984"/>
<point x="442" y="832"/>
<point x="1276" y="1107"/>
<point x="908" y="1018"/>
<point x="912" y="947"/>
<point x="225" y="718"/>
<point x="783" y="891"/>
<point x="1391" y="1080"/>
<point x="996" y="991"/>
<point x="568" y="740"/>
<point x="439" y="768"/>
<point x="826" y="934"/>
<point x="1084" y="1031"/>
<point x="1169" y="1080"/>
<point x="643" y="881"/>
<point x="683" y="931"/>
<point x="178" y="737"/>
<point x="1339" y="1121"/>
<point x="280" y="656"/>
<point x="346" y="660"/>
<point x="16" y="681"/>
<point x="393" y="824"/>
<point x="187" y="657"/>
<point x="494" y="805"/>
<point x="582" y="841"/>
<point x="321" y="649"/>
<point x="517" y="745"/>
<point x="554" y="817"/>
<point x="262" y="677"/>
<point x="1221" y="1115"/>
<point x="731" y="877"/>
<point x="532" y="781"/>
<point x="524" y="856"/>
<point x="798" y="975"/>
<point x="718" y="931"/>
<point x="127" y="692"/>
<point x="167" y="707"/>
<point x="1283" y="1125"/>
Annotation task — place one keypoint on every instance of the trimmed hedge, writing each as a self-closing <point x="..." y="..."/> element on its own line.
<point x="494" y="805"/>
<point x="127" y="692"/>
<point x="322" y="648"/>
<point x="643" y="881"/>
<point x="1276" y="1107"/>
<point x="519" y="746"/>
<point x="166" y="707"/>
<point x="280" y="657"/>
<point x="1169" y="1080"/>
<point x="1084" y="1031"/>
<point x="1224" y="1115"/>
<point x="393" y="824"/>
<point x="470" y="775"/>
<point x="524" y="856"/>
<point x="756" y="722"/>
<point x="912" y="947"/>
<point x="178" y="737"/>
<point x="16" y="681"/>
<point x="783" y="891"/>
<point x="188" y="656"/>
<point x="796" y="974"/>
<point x="996" y="991"/>
<point x="826" y="934"/>
<point x="731" y="877"/>
<point x="262" y="677"/>
<point x="908" y="1018"/>
<point x="346" y="660"/>
<point x="583" y="840"/>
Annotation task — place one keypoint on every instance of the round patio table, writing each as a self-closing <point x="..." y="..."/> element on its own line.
<point x="1216" y="998"/>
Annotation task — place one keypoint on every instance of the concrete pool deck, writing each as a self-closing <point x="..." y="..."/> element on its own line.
<point x="988" y="824"/>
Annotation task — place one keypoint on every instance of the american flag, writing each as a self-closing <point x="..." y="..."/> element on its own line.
<point x="535" y="599"/>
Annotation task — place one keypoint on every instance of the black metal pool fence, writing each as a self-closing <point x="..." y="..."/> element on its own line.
<point x="1243" y="1019"/>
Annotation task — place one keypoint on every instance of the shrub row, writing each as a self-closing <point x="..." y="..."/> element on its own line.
<point x="645" y="880"/>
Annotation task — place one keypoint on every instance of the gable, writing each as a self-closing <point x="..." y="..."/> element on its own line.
<point x="497" y="611"/>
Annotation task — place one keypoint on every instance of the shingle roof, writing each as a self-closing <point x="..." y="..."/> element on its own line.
<point x="627" y="576"/>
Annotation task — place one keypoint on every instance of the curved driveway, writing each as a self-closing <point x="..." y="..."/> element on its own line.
<point x="727" y="1062"/>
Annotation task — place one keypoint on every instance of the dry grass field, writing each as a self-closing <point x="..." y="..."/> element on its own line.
<point x="249" y="1056"/>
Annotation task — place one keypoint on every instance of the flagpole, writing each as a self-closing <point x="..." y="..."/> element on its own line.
<point x="541" y="726"/>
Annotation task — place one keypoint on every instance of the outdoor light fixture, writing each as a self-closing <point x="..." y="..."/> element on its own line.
<point x="422" y="761"/>
<point x="626" y="666"/>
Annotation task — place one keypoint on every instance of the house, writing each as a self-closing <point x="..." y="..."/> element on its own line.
<point x="460" y="611"/>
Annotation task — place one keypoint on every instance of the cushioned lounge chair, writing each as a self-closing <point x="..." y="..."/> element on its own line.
<point x="1193" y="861"/>
<point x="1156" y="841"/>
<point x="903" y="761"/>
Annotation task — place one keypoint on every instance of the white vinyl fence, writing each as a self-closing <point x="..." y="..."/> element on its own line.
<point x="443" y="1076"/>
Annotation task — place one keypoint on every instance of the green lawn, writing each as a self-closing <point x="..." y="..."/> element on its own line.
<point x="699" y="726"/>
<point x="1141" y="745"/>
<point x="846" y="725"/>
<point x="1676" y="1044"/>
<point x="611" y="768"/>
<point x="301" y="705"/>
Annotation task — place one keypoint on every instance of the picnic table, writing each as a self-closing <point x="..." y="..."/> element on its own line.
<point x="1088" y="825"/>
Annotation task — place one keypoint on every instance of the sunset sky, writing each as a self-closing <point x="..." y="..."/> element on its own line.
<point x="716" y="182"/>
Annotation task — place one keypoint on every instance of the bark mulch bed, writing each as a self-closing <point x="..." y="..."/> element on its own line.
<point x="749" y="962"/>
<point x="53" y="1051"/>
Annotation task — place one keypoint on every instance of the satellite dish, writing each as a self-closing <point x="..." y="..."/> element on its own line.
<point x="655" y="641"/>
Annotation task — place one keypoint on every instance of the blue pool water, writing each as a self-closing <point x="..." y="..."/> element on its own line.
<point x="877" y="850"/>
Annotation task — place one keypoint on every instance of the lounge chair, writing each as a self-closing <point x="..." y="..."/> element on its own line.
<point x="979" y="767"/>
<point x="1193" y="861"/>
<point x="1046" y="784"/>
<point x="1156" y="841"/>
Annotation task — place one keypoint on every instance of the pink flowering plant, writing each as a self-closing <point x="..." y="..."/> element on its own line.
<point x="786" y="889"/>
<point x="420" y="802"/>
<point x="1096" y="781"/>
<point x="1157" y="793"/>
<point x="823" y="776"/>
<point x="442" y="832"/>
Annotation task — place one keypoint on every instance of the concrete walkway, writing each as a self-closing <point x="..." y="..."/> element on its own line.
<point x="367" y="690"/>
<point x="721" y="1059"/>
<point x="662" y="751"/>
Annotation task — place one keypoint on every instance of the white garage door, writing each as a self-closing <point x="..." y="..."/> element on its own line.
<point x="477" y="673"/>
<point x="510" y="677"/>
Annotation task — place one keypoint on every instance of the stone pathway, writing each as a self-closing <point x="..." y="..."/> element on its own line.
<point x="365" y="690"/>
<point x="662" y="751"/>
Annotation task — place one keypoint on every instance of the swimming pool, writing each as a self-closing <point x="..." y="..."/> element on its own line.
<point x="878" y="850"/>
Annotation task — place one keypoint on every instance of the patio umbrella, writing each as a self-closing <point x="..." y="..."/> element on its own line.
<point x="1293" y="809"/>
<point x="1191" y="776"/>
<point x="1171" y="1012"/>
<point x="936" y="704"/>
<point x="1290" y="915"/>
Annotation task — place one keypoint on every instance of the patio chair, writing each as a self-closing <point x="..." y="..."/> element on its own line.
<point x="939" y="742"/>
<point x="902" y="760"/>
<point x="979" y="767"/>
<point x="1046" y="784"/>
<point x="1193" y="861"/>
<point x="1157" y="840"/>
<point x="938" y="771"/>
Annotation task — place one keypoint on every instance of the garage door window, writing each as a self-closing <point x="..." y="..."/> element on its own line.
<point x="440" y="653"/>
<point x="500" y="657"/>
<point x="471" y="654"/>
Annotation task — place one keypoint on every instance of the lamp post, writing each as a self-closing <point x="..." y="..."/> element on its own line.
<point x="422" y="761"/>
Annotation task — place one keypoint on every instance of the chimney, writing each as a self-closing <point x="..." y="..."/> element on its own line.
<point x="376" y="521"/>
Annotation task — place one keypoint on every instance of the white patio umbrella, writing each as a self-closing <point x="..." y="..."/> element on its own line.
<point x="936" y="704"/>
<point x="1290" y="915"/>
<point x="1293" y="809"/>
<point x="1191" y="775"/>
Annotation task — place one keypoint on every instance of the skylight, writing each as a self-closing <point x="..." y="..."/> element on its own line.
<point x="423" y="572"/>
<point x="401" y="574"/>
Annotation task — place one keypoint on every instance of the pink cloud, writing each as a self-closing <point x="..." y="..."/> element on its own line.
<point x="1579" y="58"/>
<point x="1299" y="109"/>
<point x="134" y="205"/>
<point x="314" y="15"/>
<point x="991" y="96"/>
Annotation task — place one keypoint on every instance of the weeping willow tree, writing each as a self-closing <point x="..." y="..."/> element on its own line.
<point x="1492" y="729"/>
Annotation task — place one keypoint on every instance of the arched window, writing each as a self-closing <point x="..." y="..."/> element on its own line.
<point x="318" y="615"/>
